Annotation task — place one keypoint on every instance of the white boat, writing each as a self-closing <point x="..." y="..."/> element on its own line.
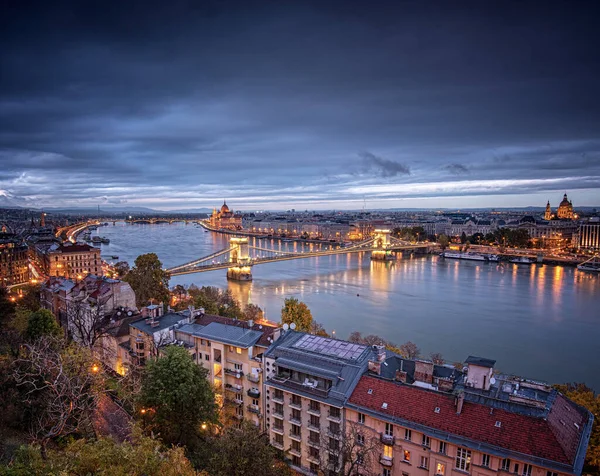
<point x="522" y="260"/>
<point x="493" y="258"/>
<point x="592" y="265"/>
<point x="459" y="255"/>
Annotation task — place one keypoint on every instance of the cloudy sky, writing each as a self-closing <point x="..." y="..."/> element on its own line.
<point x="299" y="104"/>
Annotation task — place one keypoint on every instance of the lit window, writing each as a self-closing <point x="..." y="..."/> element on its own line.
<point x="388" y="451"/>
<point x="238" y="350"/>
<point x="440" y="469"/>
<point x="463" y="459"/>
<point x="406" y="455"/>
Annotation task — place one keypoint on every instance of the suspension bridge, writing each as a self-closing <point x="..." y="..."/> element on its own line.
<point x="240" y="256"/>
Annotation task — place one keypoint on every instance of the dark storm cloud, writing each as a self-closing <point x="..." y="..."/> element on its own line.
<point x="382" y="167"/>
<point x="178" y="103"/>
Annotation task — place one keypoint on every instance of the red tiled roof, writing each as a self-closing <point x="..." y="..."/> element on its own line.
<point x="267" y="329"/>
<point x="520" y="433"/>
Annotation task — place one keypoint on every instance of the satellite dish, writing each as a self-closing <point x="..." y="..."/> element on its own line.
<point x="286" y="327"/>
<point x="260" y="327"/>
<point x="293" y="325"/>
<point x="492" y="380"/>
<point x="129" y="313"/>
<point x="119" y="313"/>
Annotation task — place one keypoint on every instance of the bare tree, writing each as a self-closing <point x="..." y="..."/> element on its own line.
<point x="87" y="322"/>
<point x="352" y="452"/>
<point x="410" y="350"/>
<point x="59" y="382"/>
<point x="437" y="358"/>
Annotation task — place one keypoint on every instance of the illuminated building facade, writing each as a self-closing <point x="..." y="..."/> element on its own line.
<point x="14" y="263"/>
<point x="225" y="218"/>
<point x="565" y="209"/>
<point x="73" y="260"/>
<point x="589" y="235"/>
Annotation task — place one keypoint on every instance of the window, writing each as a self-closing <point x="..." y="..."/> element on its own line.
<point x="314" y="406"/>
<point x="388" y="452"/>
<point x="255" y="401"/>
<point x="207" y="357"/>
<point x="279" y="438"/>
<point x="314" y="452"/>
<point x="334" y="427"/>
<point x="527" y="468"/>
<point x="296" y="461"/>
<point x="463" y="459"/>
<point x="296" y="400"/>
<point x="408" y="434"/>
<point x="278" y="409"/>
<point x="231" y="348"/>
<point x="296" y="445"/>
<point x="238" y="350"/>
<point x="296" y="414"/>
<point x="424" y="462"/>
<point x="360" y="439"/>
<point x="485" y="460"/>
<point x="426" y="441"/>
<point x="315" y="421"/>
<point x="516" y="470"/>
<point x="442" y="447"/>
<point x="295" y="430"/>
<point x="389" y="429"/>
<point x="360" y="458"/>
<point x="386" y="472"/>
<point x="314" y="437"/>
<point x="551" y="473"/>
<point x="361" y="418"/>
<point x="278" y="394"/>
<point x="440" y="469"/>
<point x="406" y="456"/>
<point x="237" y="366"/>
<point x="239" y="411"/>
<point x="333" y="444"/>
<point x="505" y="466"/>
<point x="334" y="412"/>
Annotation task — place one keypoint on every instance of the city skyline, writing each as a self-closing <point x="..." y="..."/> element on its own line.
<point x="313" y="106"/>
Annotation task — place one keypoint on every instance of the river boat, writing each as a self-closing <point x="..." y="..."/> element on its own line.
<point x="494" y="258"/>
<point x="592" y="265"/>
<point x="522" y="260"/>
<point x="468" y="256"/>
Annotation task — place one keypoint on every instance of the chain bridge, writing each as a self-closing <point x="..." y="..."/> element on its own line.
<point x="240" y="256"/>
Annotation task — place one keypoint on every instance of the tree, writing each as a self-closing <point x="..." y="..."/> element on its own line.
<point x="7" y="307"/>
<point x="443" y="241"/>
<point x="294" y="311"/>
<point x="253" y="312"/>
<point x="238" y="452"/>
<point x="30" y="299"/>
<point x="356" y="337"/>
<point x="317" y="329"/>
<point x="410" y="350"/>
<point x="148" y="280"/>
<point x="87" y="323"/>
<point x="104" y="457"/>
<point x="121" y="269"/>
<point x="59" y="385"/>
<point x="356" y="452"/>
<point x="437" y="358"/>
<point x="463" y="238"/>
<point x="215" y="301"/>
<point x="42" y="323"/>
<point x="176" y="395"/>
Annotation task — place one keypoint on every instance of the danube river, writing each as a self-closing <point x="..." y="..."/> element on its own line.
<point x="542" y="322"/>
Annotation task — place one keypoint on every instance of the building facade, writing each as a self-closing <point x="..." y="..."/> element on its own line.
<point x="225" y="218"/>
<point x="588" y="237"/>
<point x="72" y="260"/>
<point x="14" y="262"/>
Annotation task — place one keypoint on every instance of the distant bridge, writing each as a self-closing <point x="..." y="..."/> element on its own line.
<point x="153" y="220"/>
<point x="238" y="261"/>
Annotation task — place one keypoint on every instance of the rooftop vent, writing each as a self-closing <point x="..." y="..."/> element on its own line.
<point x="498" y="424"/>
<point x="370" y="392"/>
<point x="437" y="409"/>
<point x="384" y="405"/>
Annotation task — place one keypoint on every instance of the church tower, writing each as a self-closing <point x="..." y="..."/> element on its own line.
<point x="43" y="220"/>
<point x="548" y="214"/>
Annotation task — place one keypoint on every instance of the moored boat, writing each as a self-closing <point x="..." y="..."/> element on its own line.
<point x="522" y="260"/>
<point x="468" y="256"/>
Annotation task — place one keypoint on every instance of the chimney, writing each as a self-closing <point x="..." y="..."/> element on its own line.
<point x="400" y="376"/>
<point x="424" y="371"/>
<point x="250" y="323"/>
<point x="191" y="310"/>
<point x="276" y="334"/>
<point x="161" y="309"/>
<point x="459" y="402"/>
<point x="380" y="352"/>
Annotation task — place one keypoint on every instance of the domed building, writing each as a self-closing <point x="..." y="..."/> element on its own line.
<point x="225" y="218"/>
<point x="565" y="209"/>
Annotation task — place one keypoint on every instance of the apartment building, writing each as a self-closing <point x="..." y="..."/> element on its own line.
<point x="480" y="422"/>
<point x="72" y="260"/>
<point x="232" y="351"/>
<point x="14" y="262"/>
<point x="308" y="379"/>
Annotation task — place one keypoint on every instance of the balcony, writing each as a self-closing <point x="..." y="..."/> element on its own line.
<point x="234" y="401"/>
<point x="297" y="405"/>
<point x="296" y="436"/>
<point x="388" y="439"/>
<point x="277" y="414"/>
<point x="314" y="411"/>
<point x="277" y="445"/>
<point x="295" y="452"/>
<point x="295" y="421"/>
<point x="254" y="393"/>
<point x="314" y="427"/>
<point x="218" y="359"/>
<point x="254" y="409"/>
<point x="336" y="417"/>
<point x="234" y="373"/>
<point x="252" y="377"/>
<point x="313" y="459"/>
<point x="385" y="461"/>
<point x="239" y="416"/>
<point x="313" y="443"/>
<point x="277" y="429"/>
<point x="277" y="399"/>
<point x="294" y="385"/>
<point x="334" y="434"/>
<point x="233" y="388"/>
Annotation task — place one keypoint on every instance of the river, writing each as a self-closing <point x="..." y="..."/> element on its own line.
<point x="540" y="321"/>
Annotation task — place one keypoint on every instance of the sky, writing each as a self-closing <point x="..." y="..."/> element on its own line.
<point x="306" y="105"/>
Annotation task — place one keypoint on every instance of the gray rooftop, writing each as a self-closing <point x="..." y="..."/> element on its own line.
<point x="232" y="335"/>
<point x="480" y="361"/>
<point x="164" y="322"/>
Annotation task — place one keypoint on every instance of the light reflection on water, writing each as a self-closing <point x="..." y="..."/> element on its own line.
<point x="538" y="321"/>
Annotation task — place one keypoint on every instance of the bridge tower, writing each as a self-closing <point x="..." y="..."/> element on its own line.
<point x="239" y="257"/>
<point x="381" y="246"/>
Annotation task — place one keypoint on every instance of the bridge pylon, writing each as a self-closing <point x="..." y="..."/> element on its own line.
<point x="239" y="257"/>
<point x="381" y="246"/>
